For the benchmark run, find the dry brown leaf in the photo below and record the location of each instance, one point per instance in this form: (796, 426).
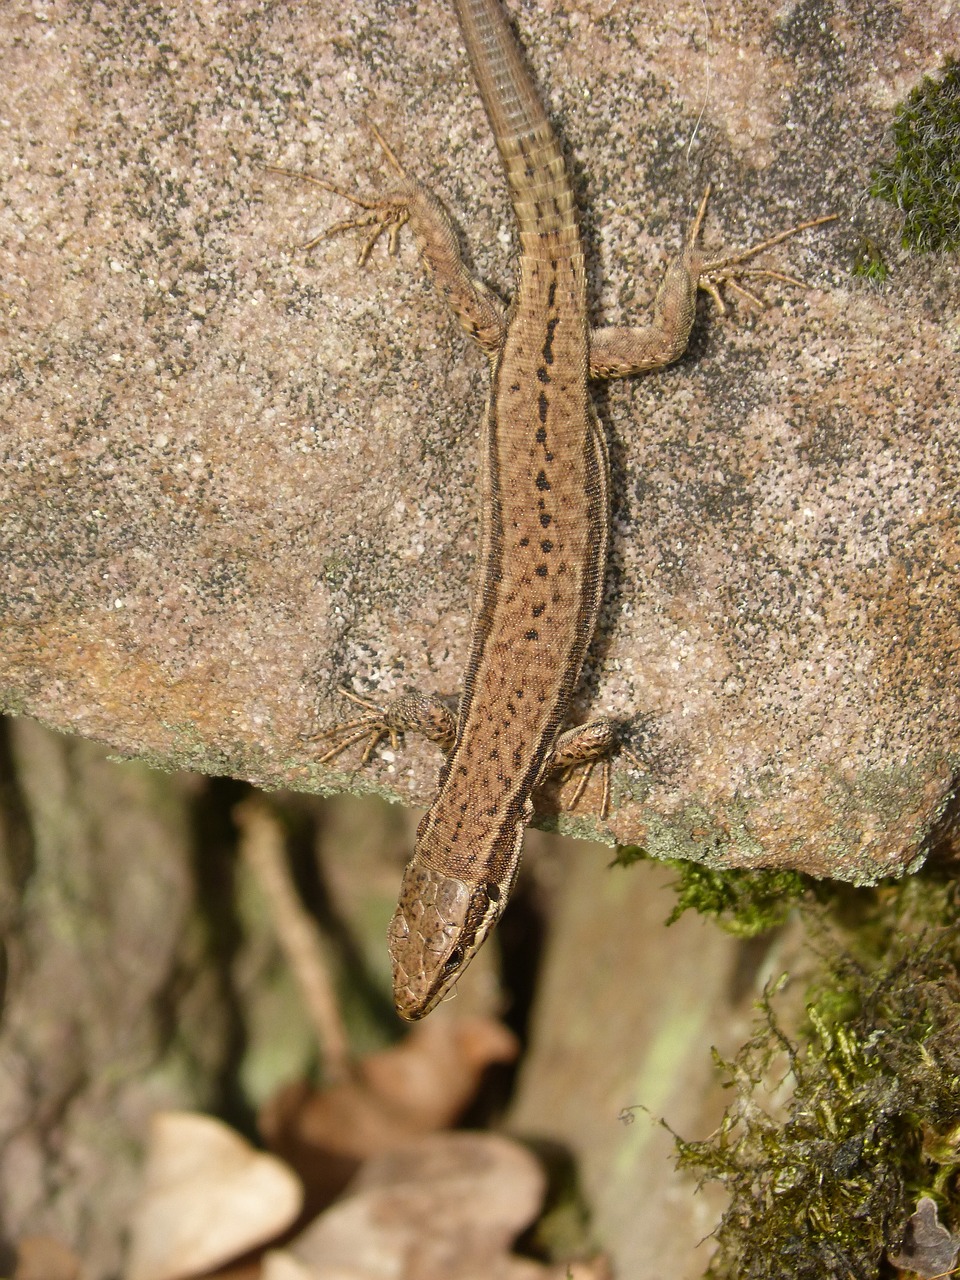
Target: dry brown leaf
(425, 1082)
(928, 1249)
(248, 1268)
(281, 1265)
(43, 1258)
(446, 1206)
(433, 1074)
(278, 1264)
(207, 1197)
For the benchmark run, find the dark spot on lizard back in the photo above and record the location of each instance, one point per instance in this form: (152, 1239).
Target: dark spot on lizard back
(548, 344)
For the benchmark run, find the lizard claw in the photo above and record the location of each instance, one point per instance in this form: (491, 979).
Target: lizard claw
(730, 270)
(373, 727)
(384, 214)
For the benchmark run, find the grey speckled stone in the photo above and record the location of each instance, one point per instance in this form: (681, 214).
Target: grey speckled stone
(234, 475)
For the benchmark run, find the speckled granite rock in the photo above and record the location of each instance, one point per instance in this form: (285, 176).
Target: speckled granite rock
(234, 476)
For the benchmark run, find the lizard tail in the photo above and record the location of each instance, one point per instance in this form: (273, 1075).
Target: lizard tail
(532, 160)
(505, 84)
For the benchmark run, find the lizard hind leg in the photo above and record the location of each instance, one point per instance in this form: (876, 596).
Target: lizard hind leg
(730, 269)
(620, 350)
(481, 314)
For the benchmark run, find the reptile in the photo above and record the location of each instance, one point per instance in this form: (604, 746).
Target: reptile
(544, 515)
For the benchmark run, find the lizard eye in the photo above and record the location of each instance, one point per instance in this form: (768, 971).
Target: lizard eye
(453, 961)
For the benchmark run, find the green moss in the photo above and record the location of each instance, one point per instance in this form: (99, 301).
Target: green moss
(335, 571)
(822, 1185)
(563, 1228)
(744, 903)
(923, 179)
(869, 263)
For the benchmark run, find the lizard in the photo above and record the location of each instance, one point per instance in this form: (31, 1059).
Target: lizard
(544, 514)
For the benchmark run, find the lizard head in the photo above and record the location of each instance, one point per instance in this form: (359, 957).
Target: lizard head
(439, 924)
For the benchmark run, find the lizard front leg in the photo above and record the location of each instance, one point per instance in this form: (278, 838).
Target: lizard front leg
(581, 747)
(426, 714)
(480, 312)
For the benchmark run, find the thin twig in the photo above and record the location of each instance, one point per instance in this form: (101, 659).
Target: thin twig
(262, 847)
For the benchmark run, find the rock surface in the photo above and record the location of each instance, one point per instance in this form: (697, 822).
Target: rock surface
(235, 476)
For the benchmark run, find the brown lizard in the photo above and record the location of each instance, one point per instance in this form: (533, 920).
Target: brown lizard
(544, 517)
